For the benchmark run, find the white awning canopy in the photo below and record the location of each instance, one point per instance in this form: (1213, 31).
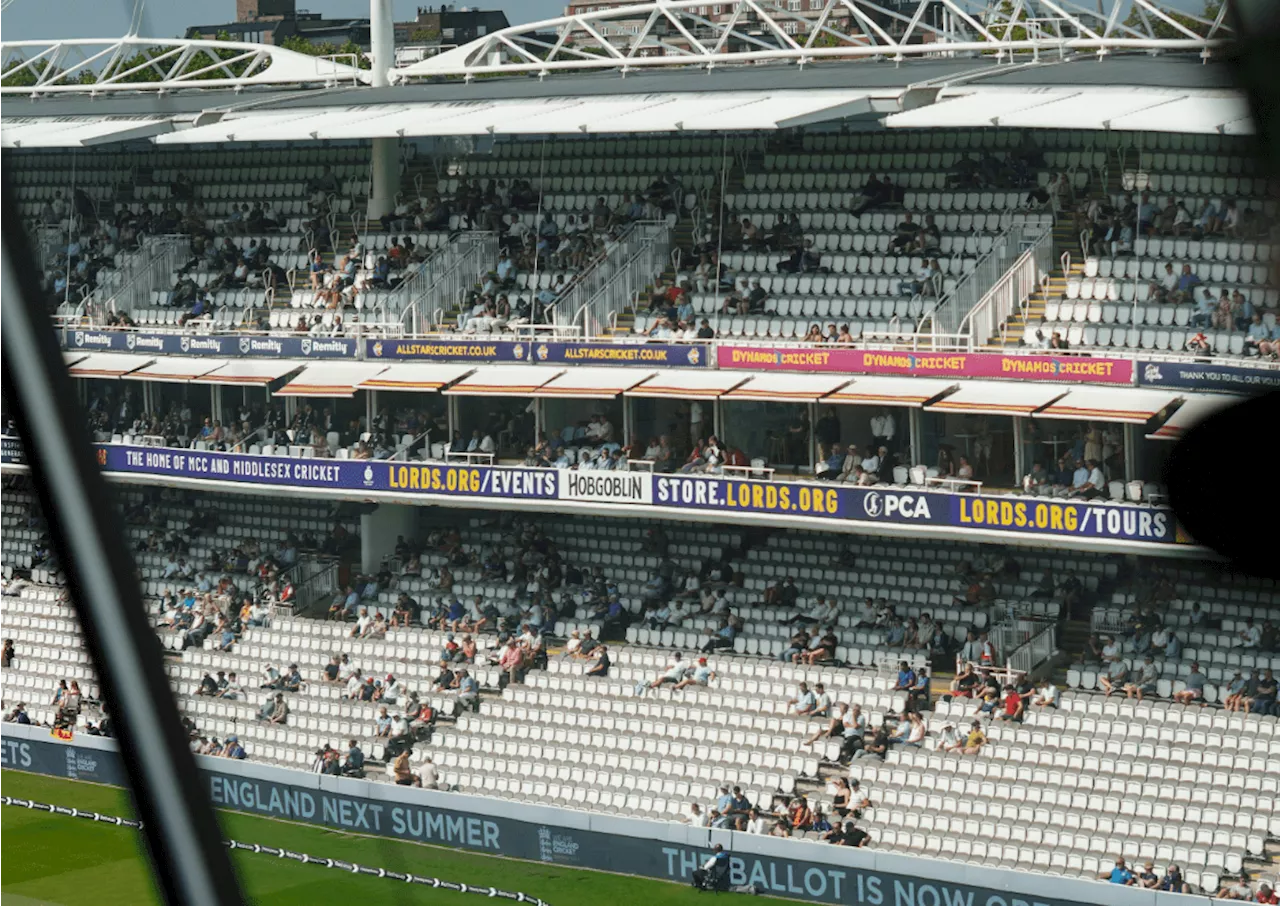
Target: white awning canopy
(689, 384)
(999, 398)
(503, 380)
(415, 376)
(175, 369)
(890, 391)
(248, 371)
(62, 132)
(702, 111)
(1110, 404)
(1193, 411)
(108, 365)
(593, 383)
(787, 388)
(1087, 107)
(330, 379)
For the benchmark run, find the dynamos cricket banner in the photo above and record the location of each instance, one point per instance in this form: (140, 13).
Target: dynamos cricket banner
(666, 851)
(816, 503)
(1073, 369)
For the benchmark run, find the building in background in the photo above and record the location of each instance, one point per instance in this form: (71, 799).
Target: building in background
(278, 21)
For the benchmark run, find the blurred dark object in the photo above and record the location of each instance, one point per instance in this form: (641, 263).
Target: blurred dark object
(188, 859)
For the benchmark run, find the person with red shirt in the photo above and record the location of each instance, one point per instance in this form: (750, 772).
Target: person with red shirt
(1013, 706)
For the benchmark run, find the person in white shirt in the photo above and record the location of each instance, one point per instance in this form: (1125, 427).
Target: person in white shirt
(1250, 635)
(822, 702)
(429, 774)
(233, 690)
(755, 823)
(950, 740)
(363, 622)
(1047, 695)
(696, 816)
(882, 429)
(695, 421)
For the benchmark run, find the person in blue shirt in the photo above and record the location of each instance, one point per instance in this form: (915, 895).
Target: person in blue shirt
(1119, 875)
(906, 677)
(834, 465)
(1187, 284)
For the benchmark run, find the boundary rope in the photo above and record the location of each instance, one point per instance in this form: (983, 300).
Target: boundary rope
(351, 867)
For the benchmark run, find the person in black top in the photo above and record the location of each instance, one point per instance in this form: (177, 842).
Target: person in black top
(601, 666)
(853, 836)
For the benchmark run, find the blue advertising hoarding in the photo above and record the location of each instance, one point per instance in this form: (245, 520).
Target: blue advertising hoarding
(447, 350)
(1210, 376)
(674, 355)
(246, 345)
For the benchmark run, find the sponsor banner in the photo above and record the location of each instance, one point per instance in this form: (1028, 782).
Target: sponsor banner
(1076, 369)
(814, 499)
(445, 350)
(359, 475)
(198, 345)
(12, 451)
(1065, 517)
(665, 851)
(668, 354)
(1208, 376)
(606, 487)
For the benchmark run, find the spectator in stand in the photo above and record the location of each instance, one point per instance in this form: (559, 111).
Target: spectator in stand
(1047, 696)
(966, 681)
(975, 740)
(1144, 683)
(1014, 707)
(804, 702)
(1194, 689)
(1173, 881)
(1264, 699)
(1186, 286)
(1120, 874)
(1114, 676)
(1235, 693)
(1235, 889)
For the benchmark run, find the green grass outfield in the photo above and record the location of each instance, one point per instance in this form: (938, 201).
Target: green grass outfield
(57, 859)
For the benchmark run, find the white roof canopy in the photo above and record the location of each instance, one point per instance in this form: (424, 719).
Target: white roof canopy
(108, 365)
(1195, 410)
(62, 132)
(415, 376)
(1110, 404)
(665, 112)
(999, 398)
(890, 391)
(593, 383)
(1090, 107)
(787, 388)
(503, 380)
(330, 379)
(689, 384)
(248, 371)
(176, 369)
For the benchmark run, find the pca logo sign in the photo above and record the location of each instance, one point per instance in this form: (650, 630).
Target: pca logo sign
(909, 507)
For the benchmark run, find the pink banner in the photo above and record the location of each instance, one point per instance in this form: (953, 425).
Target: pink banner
(1076, 369)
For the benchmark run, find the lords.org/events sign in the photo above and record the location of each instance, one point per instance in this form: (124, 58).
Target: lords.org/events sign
(798, 870)
(1073, 369)
(815, 502)
(197, 345)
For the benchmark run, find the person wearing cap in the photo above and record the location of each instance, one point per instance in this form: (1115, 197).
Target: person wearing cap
(1145, 682)
(674, 673)
(233, 748)
(292, 681)
(700, 675)
(1193, 690)
(392, 689)
(1238, 690)
(18, 715)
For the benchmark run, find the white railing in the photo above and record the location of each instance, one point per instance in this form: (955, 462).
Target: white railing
(948, 316)
(1010, 293)
(1028, 643)
(443, 279)
(594, 301)
(150, 269)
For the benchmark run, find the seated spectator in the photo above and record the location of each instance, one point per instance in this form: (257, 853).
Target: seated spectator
(602, 662)
(1144, 683)
(1237, 692)
(700, 675)
(1114, 676)
(910, 732)
(1235, 889)
(1014, 707)
(966, 681)
(974, 741)
(1194, 689)
(1173, 881)
(1264, 699)
(804, 702)
(1047, 696)
(1120, 874)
